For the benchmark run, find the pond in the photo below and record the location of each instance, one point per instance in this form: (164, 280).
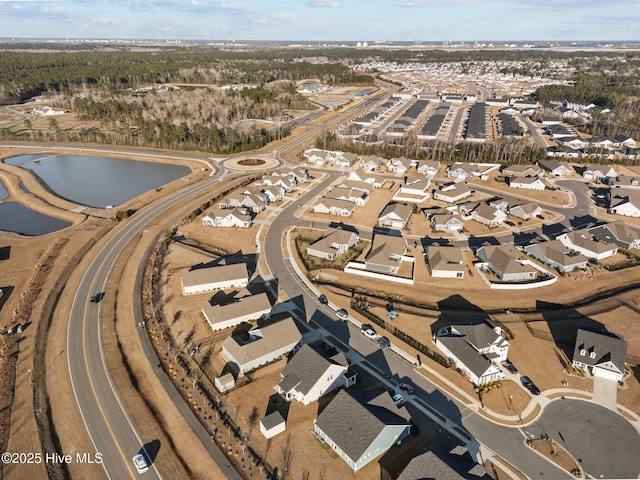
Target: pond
(98, 182)
(15, 217)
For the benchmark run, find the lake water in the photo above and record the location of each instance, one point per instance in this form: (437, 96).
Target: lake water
(3, 192)
(98, 181)
(15, 217)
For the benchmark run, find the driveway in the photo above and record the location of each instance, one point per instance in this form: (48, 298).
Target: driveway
(605, 392)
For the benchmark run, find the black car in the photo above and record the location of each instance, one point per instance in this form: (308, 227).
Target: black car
(510, 367)
(323, 299)
(405, 387)
(96, 298)
(384, 342)
(529, 385)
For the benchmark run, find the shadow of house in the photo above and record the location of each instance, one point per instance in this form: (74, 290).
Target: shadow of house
(5, 253)
(277, 403)
(525, 238)
(251, 260)
(6, 294)
(345, 227)
(477, 242)
(585, 221)
(562, 323)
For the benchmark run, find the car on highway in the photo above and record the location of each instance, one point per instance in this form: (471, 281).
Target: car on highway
(510, 367)
(398, 399)
(368, 331)
(342, 313)
(140, 463)
(529, 385)
(405, 387)
(97, 297)
(323, 299)
(384, 342)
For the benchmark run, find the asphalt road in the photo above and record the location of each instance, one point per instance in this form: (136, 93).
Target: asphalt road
(505, 441)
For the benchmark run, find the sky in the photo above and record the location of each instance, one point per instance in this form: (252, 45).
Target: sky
(324, 20)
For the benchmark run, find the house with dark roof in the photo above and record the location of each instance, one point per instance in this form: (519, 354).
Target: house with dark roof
(555, 167)
(600, 353)
(617, 232)
(360, 429)
(476, 349)
(309, 375)
(556, 254)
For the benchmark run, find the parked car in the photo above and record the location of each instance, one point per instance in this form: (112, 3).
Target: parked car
(342, 313)
(368, 331)
(398, 399)
(140, 463)
(323, 299)
(510, 367)
(384, 342)
(529, 385)
(540, 217)
(563, 189)
(405, 387)
(511, 224)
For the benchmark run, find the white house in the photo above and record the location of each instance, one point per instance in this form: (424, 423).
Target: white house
(251, 307)
(522, 170)
(528, 183)
(225, 382)
(309, 375)
(489, 216)
(272, 424)
(413, 189)
(262, 343)
(220, 277)
(462, 170)
(446, 222)
(555, 168)
(582, 242)
(504, 261)
(600, 172)
(600, 353)
(453, 192)
(445, 262)
(430, 168)
(331, 206)
(370, 163)
(525, 211)
(475, 349)
(349, 194)
(556, 254)
(225, 217)
(395, 215)
(625, 204)
(333, 243)
(400, 165)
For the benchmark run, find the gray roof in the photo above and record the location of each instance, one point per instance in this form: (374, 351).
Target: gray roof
(445, 258)
(465, 352)
(384, 247)
(272, 420)
(304, 370)
(607, 346)
(428, 466)
(620, 231)
(220, 273)
(557, 252)
(479, 335)
(353, 425)
(250, 305)
(504, 259)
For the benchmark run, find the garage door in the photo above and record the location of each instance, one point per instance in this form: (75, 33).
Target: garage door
(600, 372)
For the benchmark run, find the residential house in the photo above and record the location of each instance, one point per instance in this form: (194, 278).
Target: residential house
(453, 192)
(331, 206)
(601, 142)
(262, 343)
(318, 157)
(445, 262)
(344, 160)
(350, 195)
(360, 429)
(428, 466)
(395, 215)
(370, 163)
(400, 166)
(356, 185)
(617, 232)
(625, 182)
(600, 172)
(526, 211)
(430, 168)
(462, 170)
(528, 183)
(504, 261)
(446, 222)
(333, 243)
(625, 141)
(521, 171)
(555, 168)
(377, 181)
(499, 203)
(558, 255)
(234, 217)
(220, 277)
(309, 375)
(627, 203)
(251, 307)
(600, 353)
(299, 174)
(573, 142)
(253, 200)
(386, 254)
(274, 193)
(581, 242)
(489, 216)
(476, 349)
(413, 189)
(288, 183)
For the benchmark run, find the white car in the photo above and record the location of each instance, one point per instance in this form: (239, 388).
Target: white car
(398, 399)
(369, 332)
(141, 463)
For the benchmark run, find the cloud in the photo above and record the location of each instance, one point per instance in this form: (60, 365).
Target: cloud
(321, 3)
